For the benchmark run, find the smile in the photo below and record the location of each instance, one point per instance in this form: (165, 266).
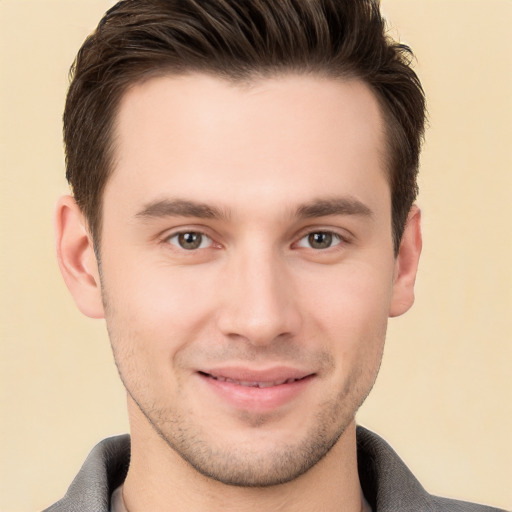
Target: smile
(254, 384)
(256, 391)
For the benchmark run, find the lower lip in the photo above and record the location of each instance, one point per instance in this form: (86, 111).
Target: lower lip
(254, 398)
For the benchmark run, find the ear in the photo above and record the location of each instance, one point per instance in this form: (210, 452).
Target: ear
(76, 257)
(406, 264)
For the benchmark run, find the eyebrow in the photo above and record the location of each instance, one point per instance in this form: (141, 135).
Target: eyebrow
(333, 206)
(186, 208)
(180, 208)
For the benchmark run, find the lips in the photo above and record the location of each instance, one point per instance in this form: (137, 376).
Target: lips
(252, 383)
(256, 390)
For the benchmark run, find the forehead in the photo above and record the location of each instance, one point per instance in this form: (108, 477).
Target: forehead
(202, 136)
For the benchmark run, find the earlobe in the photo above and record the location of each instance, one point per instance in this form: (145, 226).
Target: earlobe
(76, 257)
(406, 265)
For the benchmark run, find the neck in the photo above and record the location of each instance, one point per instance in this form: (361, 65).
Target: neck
(159, 479)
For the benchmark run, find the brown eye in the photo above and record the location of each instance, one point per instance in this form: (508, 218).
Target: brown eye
(190, 240)
(320, 240)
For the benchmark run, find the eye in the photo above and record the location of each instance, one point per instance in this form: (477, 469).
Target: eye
(320, 240)
(190, 240)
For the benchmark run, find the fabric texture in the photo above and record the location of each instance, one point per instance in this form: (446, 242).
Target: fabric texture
(387, 483)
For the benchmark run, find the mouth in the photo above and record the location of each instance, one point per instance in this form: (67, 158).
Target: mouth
(256, 391)
(252, 383)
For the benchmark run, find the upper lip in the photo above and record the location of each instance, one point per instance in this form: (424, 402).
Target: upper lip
(274, 375)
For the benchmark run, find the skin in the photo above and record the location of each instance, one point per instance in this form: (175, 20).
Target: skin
(282, 185)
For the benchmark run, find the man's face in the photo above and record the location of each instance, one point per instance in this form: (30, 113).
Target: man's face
(247, 267)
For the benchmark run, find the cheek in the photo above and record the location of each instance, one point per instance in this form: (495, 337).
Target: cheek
(355, 295)
(156, 310)
(350, 312)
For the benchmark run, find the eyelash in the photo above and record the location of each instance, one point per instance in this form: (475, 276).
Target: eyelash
(179, 234)
(333, 239)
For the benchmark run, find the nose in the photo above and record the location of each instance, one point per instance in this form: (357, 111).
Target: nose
(258, 299)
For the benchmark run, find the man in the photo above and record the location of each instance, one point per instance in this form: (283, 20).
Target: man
(244, 177)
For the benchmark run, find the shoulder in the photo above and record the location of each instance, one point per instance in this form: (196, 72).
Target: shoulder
(103, 471)
(389, 485)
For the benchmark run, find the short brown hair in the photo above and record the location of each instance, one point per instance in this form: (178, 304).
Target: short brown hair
(238, 40)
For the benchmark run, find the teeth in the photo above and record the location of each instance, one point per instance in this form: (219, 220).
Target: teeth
(250, 384)
(267, 384)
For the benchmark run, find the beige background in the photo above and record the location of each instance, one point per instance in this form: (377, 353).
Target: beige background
(443, 399)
